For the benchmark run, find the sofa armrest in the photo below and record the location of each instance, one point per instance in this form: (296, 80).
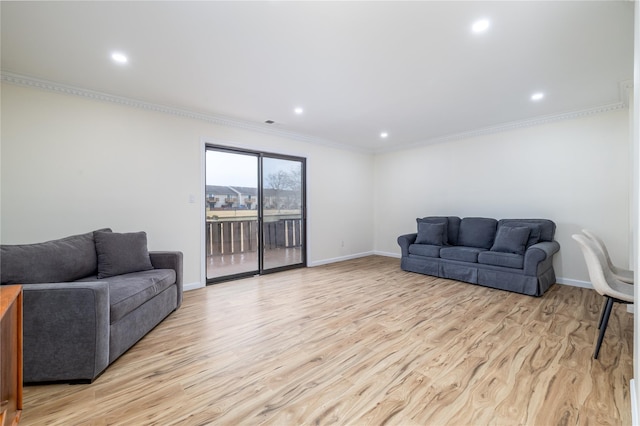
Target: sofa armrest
(65, 331)
(405, 241)
(169, 260)
(537, 254)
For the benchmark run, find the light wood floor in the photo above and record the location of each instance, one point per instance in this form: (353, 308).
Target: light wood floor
(361, 342)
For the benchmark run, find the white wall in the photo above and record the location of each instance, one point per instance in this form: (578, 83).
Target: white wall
(574, 172)
(71, 165)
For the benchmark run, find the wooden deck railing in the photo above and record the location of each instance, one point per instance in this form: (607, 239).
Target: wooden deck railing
(241, 236)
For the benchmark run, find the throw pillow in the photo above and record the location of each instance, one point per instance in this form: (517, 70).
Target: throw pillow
(430, 233)
(511, 239)
(121, 253)
(534, 228)
(437, 219)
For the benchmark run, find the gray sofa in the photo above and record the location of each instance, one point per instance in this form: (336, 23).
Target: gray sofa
(510, 254)
(87, 299)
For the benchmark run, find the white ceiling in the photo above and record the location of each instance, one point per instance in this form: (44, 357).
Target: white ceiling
(413, 69)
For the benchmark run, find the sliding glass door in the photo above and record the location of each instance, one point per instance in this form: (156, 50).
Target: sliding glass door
(282, 206)
(254, 212)
(231, 211)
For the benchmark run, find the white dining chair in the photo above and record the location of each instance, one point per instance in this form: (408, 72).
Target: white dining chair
(621, 274)
(604, 283)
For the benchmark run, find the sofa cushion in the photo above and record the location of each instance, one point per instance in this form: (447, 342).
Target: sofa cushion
(121, 253)
(431, 233)
(477, 232)
(435, 220)
(453, 227)
(63, 260)
(511, 239)
(464, 254)
(127, 292)
(425, 250)
(496, 258)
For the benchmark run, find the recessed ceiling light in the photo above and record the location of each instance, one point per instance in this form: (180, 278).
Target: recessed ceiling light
(119, 57)
(298, 110)
(480, 26)
(384, 135)
(537, 96)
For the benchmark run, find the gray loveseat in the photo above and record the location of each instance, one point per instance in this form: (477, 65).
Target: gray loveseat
(510, 254)
(87, 299)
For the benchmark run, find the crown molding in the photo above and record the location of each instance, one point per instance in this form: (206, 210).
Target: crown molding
(514, 125)
(51, 86)
(625, 87)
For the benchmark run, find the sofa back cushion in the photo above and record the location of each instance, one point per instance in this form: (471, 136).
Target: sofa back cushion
(63, 260)
(452, 227)
(541, 229)
(477, 232)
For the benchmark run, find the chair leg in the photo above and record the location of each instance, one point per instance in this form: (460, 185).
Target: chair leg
(604, 308)
(603, 326)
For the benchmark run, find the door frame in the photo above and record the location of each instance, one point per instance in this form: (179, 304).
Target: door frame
(208, 144)
(303, 211)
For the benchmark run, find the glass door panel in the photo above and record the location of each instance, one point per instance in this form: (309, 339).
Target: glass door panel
(283, 212)
(231, 214)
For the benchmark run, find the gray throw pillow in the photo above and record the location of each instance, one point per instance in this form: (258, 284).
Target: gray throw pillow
(511, 239)
(121, 253)
(436, 219)
(431, 233)
(534, 228)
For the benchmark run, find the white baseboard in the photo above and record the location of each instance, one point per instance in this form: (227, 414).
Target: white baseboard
(574, 283)
(339, 259)
(192, 286)
(387, 254)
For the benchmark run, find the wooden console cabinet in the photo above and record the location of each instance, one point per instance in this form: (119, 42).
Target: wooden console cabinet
(10, 354)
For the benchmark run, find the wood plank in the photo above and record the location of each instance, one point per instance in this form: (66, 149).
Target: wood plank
(361, 342)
